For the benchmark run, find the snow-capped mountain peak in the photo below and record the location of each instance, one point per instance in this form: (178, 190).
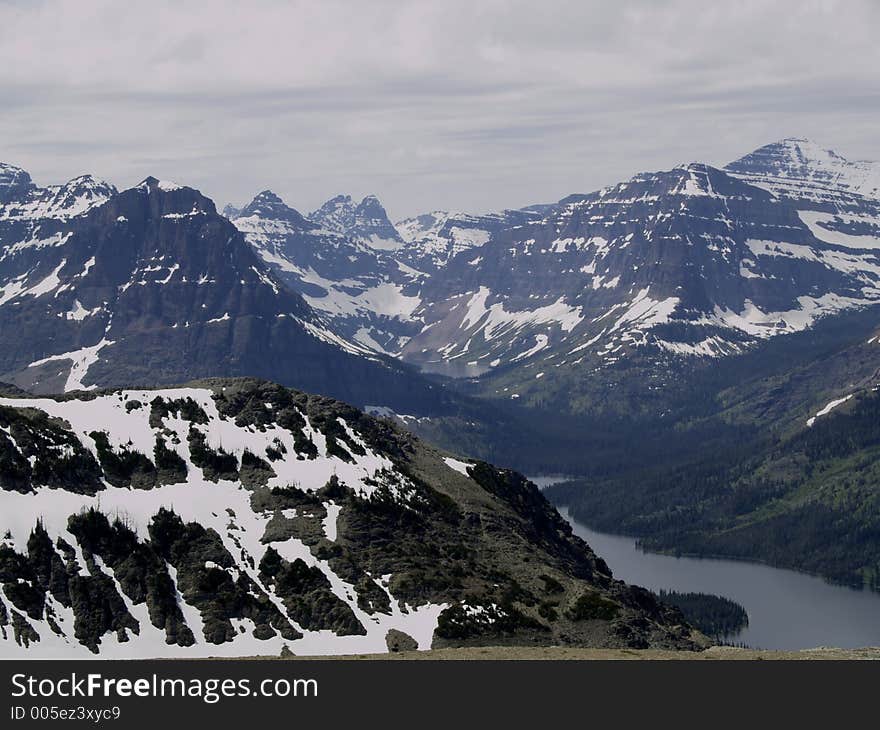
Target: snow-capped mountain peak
(340, 271)
(80, 195)
(153, 284)
(801, 162)
(168, 200)
(837, 199)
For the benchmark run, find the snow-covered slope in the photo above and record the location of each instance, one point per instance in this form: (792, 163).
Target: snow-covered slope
(33, 217)
(354, 266)
(803, 170)
(21, 200)
(236, 518)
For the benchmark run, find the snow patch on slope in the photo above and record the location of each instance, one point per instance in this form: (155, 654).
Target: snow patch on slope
(828, 408)
(81, 361)
(460, 466)
(495, 319)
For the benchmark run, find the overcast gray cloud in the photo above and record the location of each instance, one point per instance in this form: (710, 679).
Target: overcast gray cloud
(438, 104)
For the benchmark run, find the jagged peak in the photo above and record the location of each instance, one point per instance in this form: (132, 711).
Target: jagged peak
(79, 195)
(269, 205)
(7, 168)
(346, 202)
(70, 199)
(371, 204)
(367, 220)
(89, 185)
(267, 196)
(231, 211)
(797, 151)
(10, 173)
(334, 204)
(335, 214)
(88, 180)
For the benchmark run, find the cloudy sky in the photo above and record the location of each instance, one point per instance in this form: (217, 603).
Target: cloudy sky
(473, 105)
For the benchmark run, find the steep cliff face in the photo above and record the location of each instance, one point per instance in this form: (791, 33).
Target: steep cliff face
(236, 517)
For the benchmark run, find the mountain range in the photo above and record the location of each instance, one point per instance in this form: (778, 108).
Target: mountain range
(151, 285)
(601, 306)
(693, 262)
(721, 319)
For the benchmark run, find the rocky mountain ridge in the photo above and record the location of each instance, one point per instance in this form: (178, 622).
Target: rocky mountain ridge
(237, 517)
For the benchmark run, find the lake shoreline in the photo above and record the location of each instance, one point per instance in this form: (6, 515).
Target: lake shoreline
(562, 508)
(788, 610)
